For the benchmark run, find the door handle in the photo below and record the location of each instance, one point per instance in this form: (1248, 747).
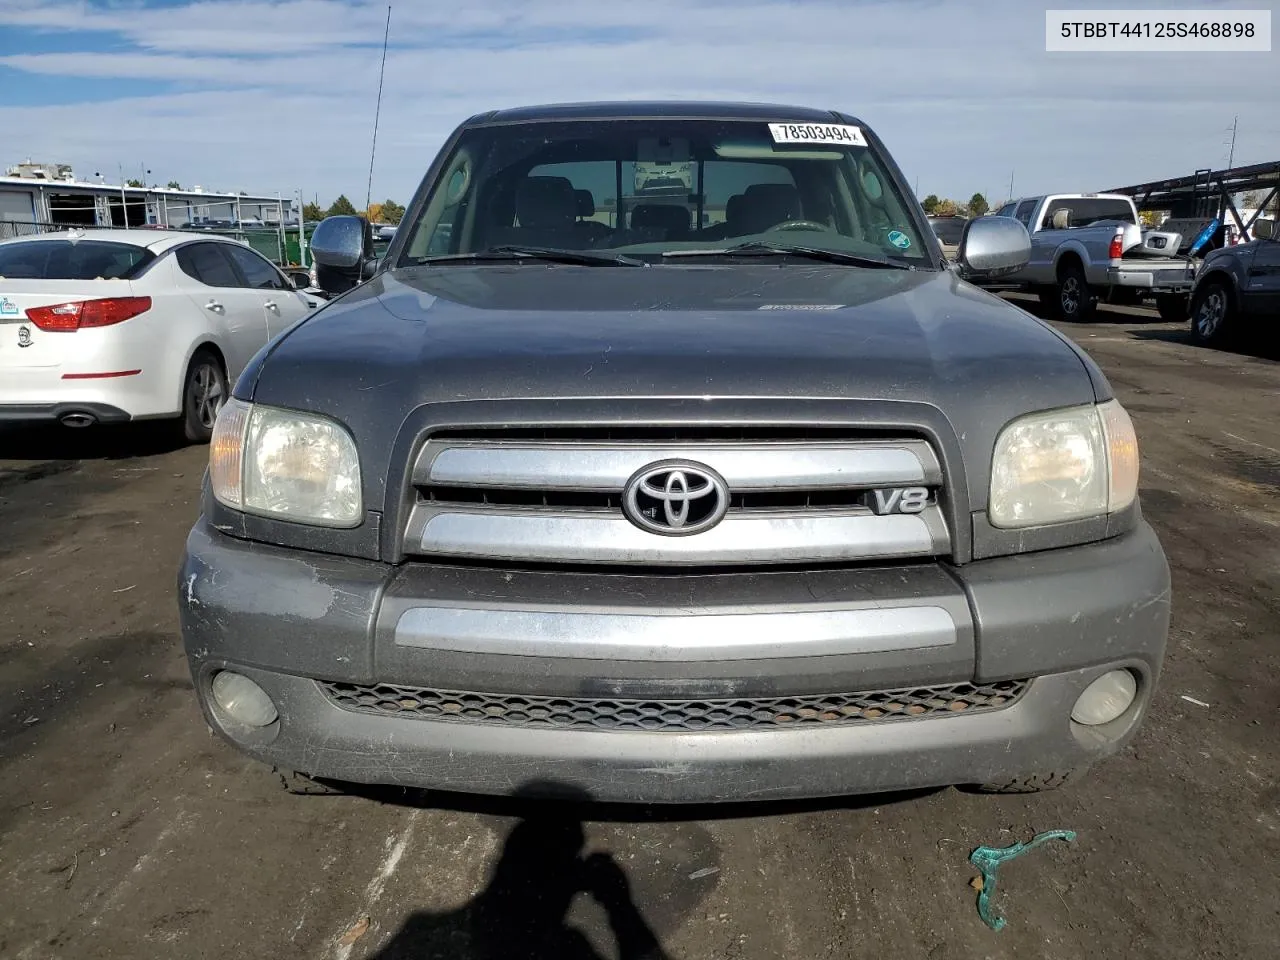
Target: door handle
(271, 305)
(213, 305)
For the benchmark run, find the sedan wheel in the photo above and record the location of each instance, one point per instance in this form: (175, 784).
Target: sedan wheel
(203, 397)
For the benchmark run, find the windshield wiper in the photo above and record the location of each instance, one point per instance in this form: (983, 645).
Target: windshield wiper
(554, 254)
(766, 248)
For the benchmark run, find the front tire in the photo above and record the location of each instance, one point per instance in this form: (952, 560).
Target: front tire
(204, 392)
(1075, 302)
(1212, 319)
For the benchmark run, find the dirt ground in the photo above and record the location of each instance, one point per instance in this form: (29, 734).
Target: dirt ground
(126, 830)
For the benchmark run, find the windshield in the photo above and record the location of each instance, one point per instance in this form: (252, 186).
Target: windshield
(71, 260)
(649, 187)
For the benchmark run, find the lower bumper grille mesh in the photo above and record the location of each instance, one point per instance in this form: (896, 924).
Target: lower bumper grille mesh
(680, 716)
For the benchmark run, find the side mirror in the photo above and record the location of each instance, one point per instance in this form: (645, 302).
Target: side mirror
(1264, 229)
(993, 247)
(343, 250)
(299, 278)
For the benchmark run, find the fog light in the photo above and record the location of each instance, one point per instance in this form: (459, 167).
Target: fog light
(1106, 698)
(243, 700)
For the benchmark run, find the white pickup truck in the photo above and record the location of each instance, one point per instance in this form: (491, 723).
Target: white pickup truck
(1087, 247)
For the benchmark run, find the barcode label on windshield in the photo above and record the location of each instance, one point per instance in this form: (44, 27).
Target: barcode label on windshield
(817, 133)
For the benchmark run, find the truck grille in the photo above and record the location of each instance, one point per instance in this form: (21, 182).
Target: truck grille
(562, 497)
(677, 716)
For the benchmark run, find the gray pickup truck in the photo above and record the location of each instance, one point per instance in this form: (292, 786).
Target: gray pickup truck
(660, 506)
(1087, 247)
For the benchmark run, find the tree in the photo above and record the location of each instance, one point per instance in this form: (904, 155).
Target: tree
(392, 212)
(1251, 200)
(945, 208)
(174, 185)
(978, 205)
(930, 203)
(342, 207)
(312, 212)
(134, 183)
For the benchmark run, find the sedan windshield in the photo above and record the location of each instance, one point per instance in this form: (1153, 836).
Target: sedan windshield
(648, 188)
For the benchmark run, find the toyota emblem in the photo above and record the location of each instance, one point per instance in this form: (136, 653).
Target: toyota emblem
(675, 498)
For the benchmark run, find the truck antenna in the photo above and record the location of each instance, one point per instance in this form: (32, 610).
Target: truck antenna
(368, 196)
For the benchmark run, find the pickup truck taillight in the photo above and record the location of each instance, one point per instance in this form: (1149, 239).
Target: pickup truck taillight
(1116, 251)
(70, 317)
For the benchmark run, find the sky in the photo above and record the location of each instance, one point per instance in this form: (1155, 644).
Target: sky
(273, 97)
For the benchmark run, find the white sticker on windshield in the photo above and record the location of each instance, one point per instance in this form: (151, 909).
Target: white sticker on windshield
(836, 133)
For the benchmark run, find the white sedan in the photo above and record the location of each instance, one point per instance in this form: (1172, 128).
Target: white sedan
(100, 326)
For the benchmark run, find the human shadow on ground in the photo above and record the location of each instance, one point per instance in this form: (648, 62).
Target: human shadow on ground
(523, 912)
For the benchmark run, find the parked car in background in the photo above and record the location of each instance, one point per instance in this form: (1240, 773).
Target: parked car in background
(1237, 290)
(1089, 246)
(778, 506)
(102, 326)
(948, 230)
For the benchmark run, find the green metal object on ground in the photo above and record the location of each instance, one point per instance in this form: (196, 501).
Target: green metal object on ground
(988, 860)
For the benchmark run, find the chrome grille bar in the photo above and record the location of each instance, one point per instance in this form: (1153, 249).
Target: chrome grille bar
(607, 466)
(590, 536)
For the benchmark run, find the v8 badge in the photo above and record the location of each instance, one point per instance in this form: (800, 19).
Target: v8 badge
(899, 500)
(24, 336)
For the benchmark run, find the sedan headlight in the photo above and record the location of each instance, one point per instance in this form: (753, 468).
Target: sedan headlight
(286, 464)
(1064, 465)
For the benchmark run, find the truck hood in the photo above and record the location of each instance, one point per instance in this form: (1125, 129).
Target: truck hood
(530, 330)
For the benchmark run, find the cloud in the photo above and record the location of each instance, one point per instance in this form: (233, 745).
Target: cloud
(264, 96)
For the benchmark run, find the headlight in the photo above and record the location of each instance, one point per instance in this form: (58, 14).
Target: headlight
(281, 463)
(1064, 465)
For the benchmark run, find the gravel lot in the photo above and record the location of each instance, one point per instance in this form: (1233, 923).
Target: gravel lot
(126, 830)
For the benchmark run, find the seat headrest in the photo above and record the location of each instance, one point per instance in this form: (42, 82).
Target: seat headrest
(586, 203)
(767, 204)
(663, 216)
(1061, 218)
(546, 202)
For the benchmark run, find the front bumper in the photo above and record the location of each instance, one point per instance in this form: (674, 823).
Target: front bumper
(288, 619)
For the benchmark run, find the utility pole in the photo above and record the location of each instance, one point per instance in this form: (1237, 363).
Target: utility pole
(1010, 184)
(124, 204)
(1231, 157)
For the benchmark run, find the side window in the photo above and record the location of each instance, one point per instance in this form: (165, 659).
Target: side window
(1026, 209)
(257, 272)
(1006, 210)
(205, 263)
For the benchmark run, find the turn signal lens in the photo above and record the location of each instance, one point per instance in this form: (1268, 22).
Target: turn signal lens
(70, 317)
(226, 452)
(1122, 455)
